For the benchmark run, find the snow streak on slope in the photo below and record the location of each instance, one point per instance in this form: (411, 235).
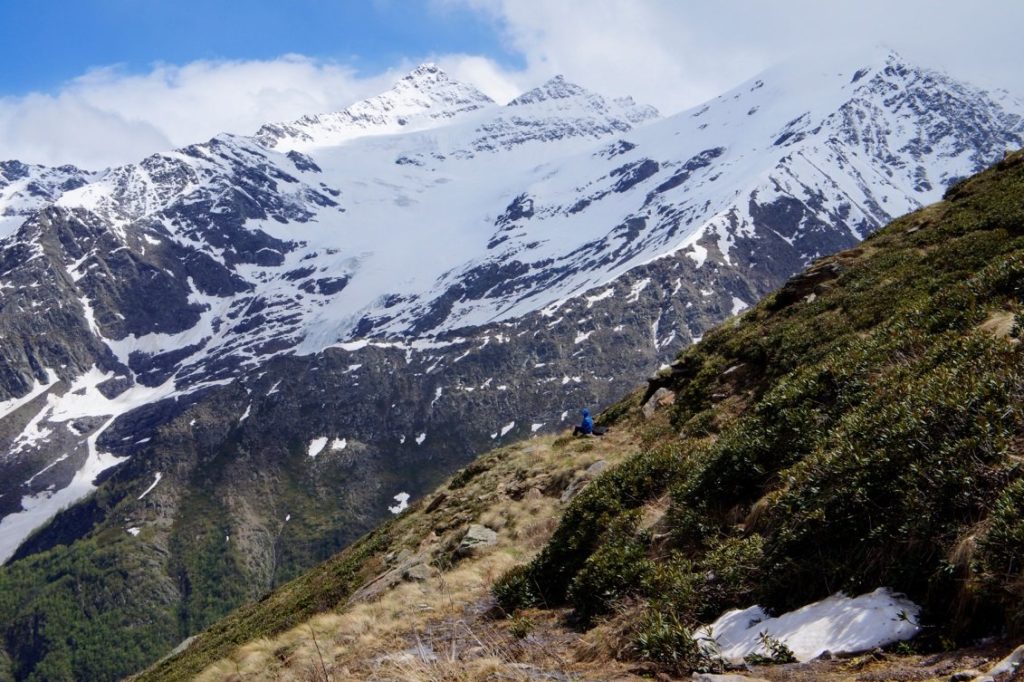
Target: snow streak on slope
(83, 400)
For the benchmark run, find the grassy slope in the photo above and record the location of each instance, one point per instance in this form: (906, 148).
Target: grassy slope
(861, 427)
(503, 489)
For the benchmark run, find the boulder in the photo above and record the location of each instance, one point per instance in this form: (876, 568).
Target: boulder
(659, 398)
(582, 479)
(476, 538)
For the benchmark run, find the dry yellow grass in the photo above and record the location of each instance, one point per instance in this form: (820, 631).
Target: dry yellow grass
(436, 629)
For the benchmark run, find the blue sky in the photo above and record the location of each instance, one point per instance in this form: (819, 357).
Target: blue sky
(44, 43)
(103, 82)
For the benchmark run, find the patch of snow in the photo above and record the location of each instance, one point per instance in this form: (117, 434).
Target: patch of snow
(152, 485)
(507, 427)
(339, 444)
(699, 255)
(607, 293)
(840, 624)
(287, 518)
(637, 289)
(273, 389)
(403, 502)
(48, 466)
(133, 531)
(245, 415)
(437, 395)
(316, 446)
(420, 438)
(534, 428)
(582, 336)
(738, 305)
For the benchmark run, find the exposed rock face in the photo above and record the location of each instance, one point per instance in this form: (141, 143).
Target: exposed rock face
(247, 347)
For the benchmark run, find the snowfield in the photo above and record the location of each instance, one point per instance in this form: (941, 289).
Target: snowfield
(839, 624)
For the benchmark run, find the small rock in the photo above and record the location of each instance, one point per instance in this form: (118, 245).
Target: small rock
(582, 479)
(662, 396)
(417, 573)
(964, 675)
(436, 502)
(476, 538)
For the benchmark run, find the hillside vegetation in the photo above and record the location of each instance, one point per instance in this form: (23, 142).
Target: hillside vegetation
(861, 427)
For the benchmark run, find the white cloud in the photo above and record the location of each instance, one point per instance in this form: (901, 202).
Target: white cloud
(107, 117)
(498, 83)
(678, 54)
(663, 52)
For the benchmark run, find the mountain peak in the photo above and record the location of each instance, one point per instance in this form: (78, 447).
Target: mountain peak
(555, 88)
(426, 68)
(431, 86)
(425, 97)
(427, 74)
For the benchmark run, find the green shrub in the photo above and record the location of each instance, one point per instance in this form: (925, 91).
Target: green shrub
(619, 567)
(521, 626)
(1000, 556)
(731, 573)
(585, 522)
(662, 637)
(776, 652)
(516, 590)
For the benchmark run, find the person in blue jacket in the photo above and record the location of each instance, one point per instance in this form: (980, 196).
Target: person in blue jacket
(587, 428)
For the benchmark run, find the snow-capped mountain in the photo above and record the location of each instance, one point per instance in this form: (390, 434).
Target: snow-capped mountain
(425, 98)
(25, 188)
(413, 278)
